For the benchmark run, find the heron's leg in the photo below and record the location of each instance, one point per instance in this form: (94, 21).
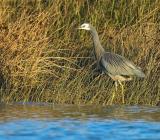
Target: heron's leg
(113, 94)
(122, 91)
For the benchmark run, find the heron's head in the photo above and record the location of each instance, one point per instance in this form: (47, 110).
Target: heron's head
(85, 26)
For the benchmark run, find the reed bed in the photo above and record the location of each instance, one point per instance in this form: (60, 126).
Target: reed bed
(44, 58)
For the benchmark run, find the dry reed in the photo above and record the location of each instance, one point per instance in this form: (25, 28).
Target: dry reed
(45, 59)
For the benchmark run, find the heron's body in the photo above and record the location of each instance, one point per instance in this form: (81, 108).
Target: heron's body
(117, 67)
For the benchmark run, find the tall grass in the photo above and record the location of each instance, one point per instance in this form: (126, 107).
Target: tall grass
(44, 58)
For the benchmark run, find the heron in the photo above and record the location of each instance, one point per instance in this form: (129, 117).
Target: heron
(116, 66)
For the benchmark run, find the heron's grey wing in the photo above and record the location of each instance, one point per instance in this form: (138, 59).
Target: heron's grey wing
(118, 65)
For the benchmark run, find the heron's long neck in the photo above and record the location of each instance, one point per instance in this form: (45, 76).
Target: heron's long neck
(99, 50)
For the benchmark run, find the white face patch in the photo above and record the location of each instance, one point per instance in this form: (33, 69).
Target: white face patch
(85, 26)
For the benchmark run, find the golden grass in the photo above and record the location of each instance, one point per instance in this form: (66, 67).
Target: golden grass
(44, 58)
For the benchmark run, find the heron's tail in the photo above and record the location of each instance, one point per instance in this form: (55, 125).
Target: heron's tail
(138, 72)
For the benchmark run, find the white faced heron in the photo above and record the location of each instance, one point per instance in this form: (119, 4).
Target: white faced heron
(116, 66)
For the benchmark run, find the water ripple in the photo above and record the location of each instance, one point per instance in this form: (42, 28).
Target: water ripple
(41, 122)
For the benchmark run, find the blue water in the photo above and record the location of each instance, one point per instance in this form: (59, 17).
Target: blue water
(45, 122)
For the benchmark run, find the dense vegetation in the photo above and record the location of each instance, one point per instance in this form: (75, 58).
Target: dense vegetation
(44, 58)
